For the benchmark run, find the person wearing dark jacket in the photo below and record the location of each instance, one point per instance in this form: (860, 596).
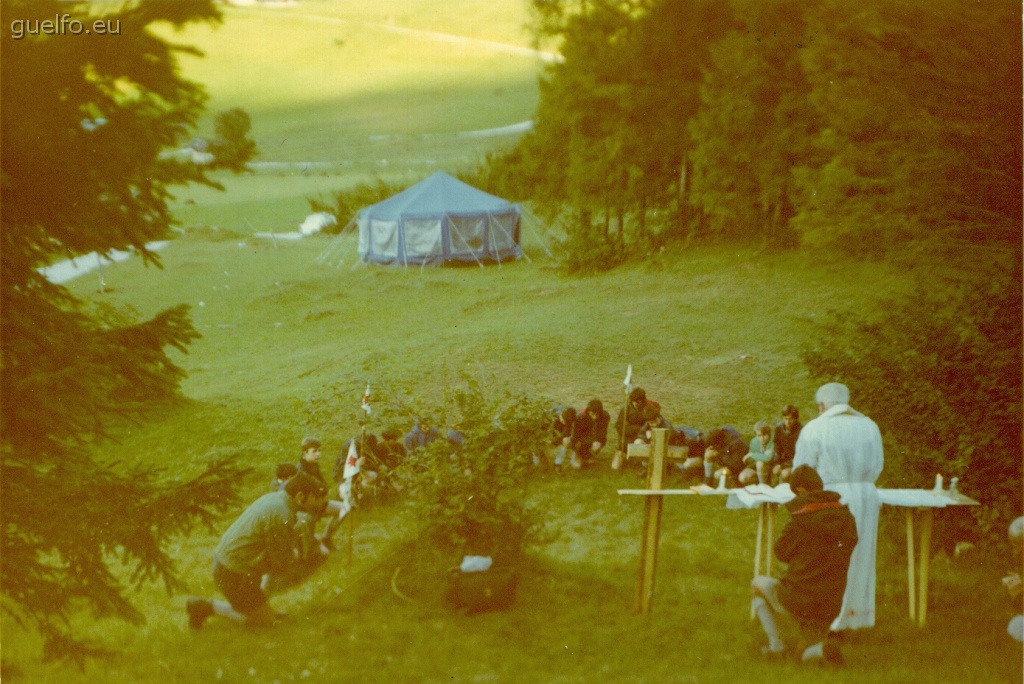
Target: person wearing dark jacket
(816, 543)
(635, 421)
(309, 463)
(589, 433)
(724, 449)
(787, 431)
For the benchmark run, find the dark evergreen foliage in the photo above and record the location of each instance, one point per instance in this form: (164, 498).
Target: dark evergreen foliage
(232, 147)
(868, 128)
(82, 131)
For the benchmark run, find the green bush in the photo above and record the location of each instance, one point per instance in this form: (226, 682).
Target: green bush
(473, 495)
(345, 204)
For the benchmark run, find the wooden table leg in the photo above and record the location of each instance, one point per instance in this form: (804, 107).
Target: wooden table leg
(757, 549)
(926, 543)
(760, 540)
(911, 591)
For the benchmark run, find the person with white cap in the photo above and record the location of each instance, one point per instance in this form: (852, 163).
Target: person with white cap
(845, 447)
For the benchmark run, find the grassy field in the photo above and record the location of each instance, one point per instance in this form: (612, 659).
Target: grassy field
(288, 345)
(372, 88)
(715, 335)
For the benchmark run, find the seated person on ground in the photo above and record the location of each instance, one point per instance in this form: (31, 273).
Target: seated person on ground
(787, 431)
(561, 433)
(723, 455)
(816, 544)
(589, 433)
(422, 434)
(392, 452)
(374, 477)
(760, 460)
(455, 436)
(634, 423)
(693, 440)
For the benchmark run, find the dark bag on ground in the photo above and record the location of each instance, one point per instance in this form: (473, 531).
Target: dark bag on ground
(478, 592)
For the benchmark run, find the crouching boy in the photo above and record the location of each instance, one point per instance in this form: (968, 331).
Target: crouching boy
(816, 543)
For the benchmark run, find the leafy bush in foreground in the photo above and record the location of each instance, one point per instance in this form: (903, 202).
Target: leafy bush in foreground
(474, 493)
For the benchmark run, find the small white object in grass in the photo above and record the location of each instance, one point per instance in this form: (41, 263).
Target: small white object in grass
(475, 563)
(202, 303)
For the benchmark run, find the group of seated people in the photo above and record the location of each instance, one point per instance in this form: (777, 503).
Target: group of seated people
(767, 458)
(579, 434)
(378, 461)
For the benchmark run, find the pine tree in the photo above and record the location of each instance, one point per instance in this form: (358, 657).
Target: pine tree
(85, 119)
(232, 147)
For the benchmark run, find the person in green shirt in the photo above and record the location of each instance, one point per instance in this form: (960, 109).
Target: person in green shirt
(760, 460)
(260, 542)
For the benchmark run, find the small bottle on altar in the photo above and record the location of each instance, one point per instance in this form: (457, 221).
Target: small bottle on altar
(721, 481)
(938, 483)
(952, 486)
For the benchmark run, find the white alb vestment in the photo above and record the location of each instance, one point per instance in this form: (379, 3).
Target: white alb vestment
(845, 447)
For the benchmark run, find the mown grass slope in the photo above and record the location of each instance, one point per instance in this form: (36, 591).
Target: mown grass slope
(714, 334)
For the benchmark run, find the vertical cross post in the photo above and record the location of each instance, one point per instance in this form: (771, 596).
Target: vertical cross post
(651, 530)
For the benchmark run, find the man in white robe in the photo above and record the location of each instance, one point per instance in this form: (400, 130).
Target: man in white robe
(845, 447)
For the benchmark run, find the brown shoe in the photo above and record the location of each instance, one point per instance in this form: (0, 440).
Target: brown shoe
(198, 610)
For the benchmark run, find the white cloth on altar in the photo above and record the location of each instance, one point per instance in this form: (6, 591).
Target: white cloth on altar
(845, 447)
(914, 498)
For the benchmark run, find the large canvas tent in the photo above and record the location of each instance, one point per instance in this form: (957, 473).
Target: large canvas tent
(439, 220)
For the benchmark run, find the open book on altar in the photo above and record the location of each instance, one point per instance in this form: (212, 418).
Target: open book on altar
(780, 494)
(752, 496)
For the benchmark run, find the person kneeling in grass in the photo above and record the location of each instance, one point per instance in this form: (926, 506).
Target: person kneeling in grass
(262, 541)
(816, 543)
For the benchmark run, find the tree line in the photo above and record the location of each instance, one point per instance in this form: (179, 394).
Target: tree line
(866, 128)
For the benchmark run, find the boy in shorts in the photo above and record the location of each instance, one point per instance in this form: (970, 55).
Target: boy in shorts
(816, 543)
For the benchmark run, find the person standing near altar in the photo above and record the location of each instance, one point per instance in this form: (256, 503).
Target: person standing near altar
(845, 447)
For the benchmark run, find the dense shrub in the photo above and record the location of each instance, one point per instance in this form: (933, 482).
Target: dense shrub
(473, 494)
(344, 204)
(940, 371)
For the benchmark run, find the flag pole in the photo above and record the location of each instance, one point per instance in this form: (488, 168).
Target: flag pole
(351, 523)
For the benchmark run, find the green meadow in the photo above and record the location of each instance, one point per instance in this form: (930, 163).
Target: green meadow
(289, 341)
